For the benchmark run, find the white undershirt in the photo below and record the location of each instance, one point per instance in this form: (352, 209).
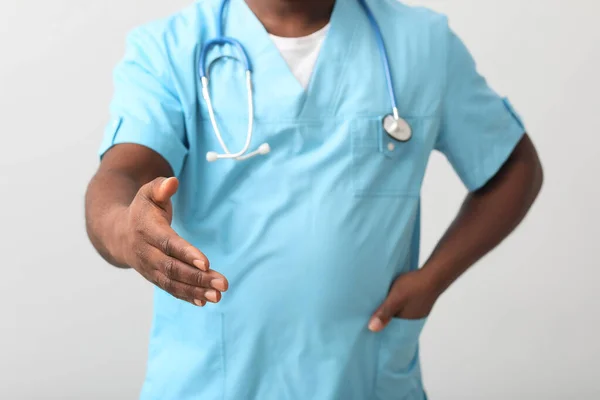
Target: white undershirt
(300, 53)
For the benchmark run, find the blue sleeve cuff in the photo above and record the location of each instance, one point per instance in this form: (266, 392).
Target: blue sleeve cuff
(500, 153)
(129, 130)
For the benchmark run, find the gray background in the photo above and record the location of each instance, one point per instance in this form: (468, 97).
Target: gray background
(524, 324)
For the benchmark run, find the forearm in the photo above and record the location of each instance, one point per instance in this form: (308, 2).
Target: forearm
(487, 216)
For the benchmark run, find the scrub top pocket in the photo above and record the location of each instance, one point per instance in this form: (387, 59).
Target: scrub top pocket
(399, 371)
(383, 166)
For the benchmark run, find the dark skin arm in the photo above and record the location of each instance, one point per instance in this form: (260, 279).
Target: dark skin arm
(128, 216)
(485, 219)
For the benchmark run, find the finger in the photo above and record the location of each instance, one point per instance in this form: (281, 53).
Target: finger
(164, 238)
(160, 190)
(189, 293)
(386, 311)
(179, 271)
(163, 191)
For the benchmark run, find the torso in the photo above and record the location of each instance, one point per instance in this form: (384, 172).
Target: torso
(311, 236)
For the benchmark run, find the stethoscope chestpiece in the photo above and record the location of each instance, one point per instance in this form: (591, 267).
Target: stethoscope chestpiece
(397, 128)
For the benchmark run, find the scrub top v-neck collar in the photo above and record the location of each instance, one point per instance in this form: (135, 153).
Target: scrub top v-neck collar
(271, 74)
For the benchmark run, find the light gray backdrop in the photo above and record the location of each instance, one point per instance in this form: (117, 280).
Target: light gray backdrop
(523, 325)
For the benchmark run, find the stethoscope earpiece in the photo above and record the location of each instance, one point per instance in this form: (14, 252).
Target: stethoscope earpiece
(212, 156)
(262, 150)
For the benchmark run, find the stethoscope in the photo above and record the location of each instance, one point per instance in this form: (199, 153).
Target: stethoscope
(395, 126)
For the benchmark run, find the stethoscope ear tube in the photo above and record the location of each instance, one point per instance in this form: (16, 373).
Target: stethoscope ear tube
(243, 153)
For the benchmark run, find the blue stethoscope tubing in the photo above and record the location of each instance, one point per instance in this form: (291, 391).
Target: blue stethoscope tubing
(394, 126)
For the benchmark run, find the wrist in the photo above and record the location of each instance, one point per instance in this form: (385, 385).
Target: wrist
(435, 279)
(117, 238)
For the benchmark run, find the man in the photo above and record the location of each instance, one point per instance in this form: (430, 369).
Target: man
(308, 255)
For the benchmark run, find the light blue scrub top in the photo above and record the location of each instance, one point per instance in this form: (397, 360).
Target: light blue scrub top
(312, 235)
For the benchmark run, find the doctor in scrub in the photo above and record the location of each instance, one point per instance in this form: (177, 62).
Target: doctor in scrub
(262, 169)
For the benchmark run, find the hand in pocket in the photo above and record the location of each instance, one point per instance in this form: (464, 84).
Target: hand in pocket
(411, 296)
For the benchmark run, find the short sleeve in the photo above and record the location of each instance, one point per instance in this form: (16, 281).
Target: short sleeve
(145, 109)
(479, 129)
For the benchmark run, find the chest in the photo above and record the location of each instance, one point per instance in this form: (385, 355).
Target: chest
(326, 137)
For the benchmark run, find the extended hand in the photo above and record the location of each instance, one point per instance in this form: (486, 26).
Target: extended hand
(412, 296)
(153, 249)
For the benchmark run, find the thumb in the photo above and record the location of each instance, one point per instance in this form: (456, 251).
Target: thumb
(161, 190)
(386, 311)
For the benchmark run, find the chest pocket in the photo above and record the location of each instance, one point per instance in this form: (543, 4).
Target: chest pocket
(383, 166)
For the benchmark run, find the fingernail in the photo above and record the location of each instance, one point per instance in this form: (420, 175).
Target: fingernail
(201, 265)
(218, 284)
(375, 325)
(212, 295)
(200, 303)
(164, 183)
